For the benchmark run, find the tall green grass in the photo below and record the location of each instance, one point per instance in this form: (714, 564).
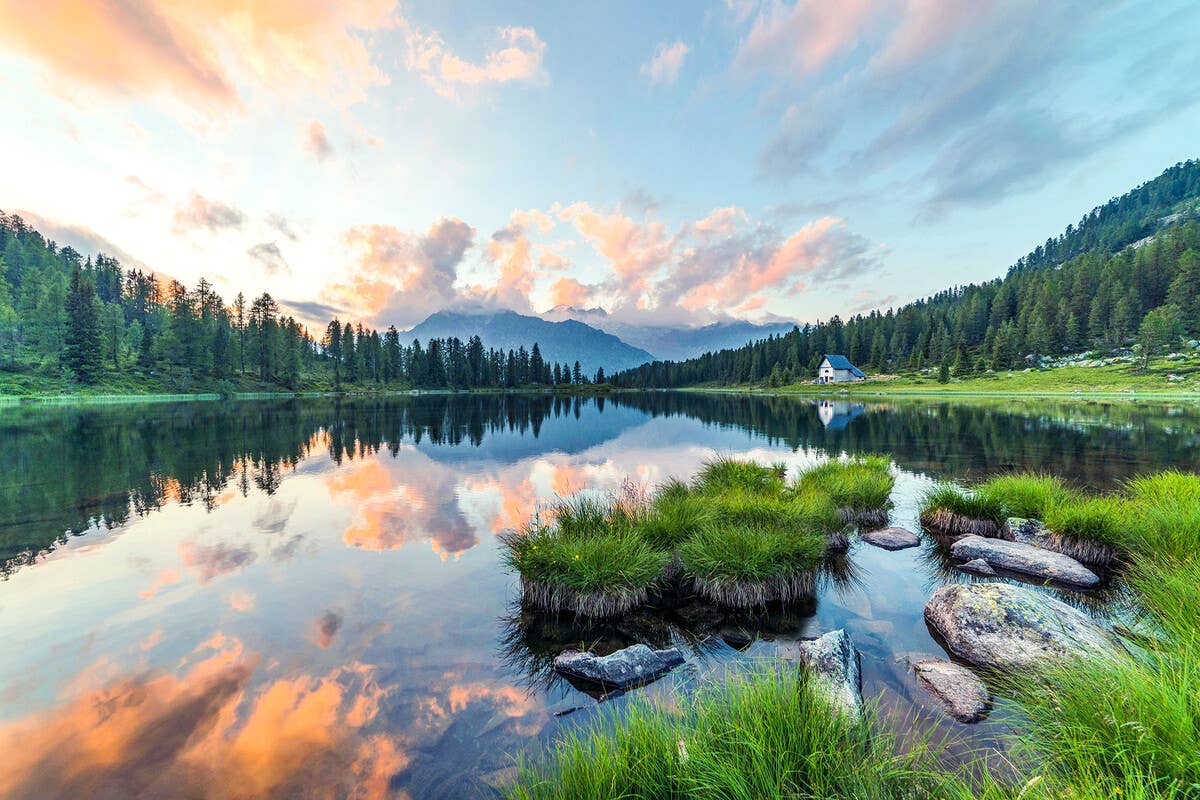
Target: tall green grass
(743, 566)
(1027, 495)
(764, 733)
(724, 474)
(946, 508)
(1100, 519)
(859, 484)
(674, 518)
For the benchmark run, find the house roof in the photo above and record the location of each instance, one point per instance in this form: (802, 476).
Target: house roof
(841, 362)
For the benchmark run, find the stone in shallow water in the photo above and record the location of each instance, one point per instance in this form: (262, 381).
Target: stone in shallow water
(977, 566)
(1004, 627)
(631, 666)
(891, 538)
(1026, 531)
(832, 661)
(965, 697)
(1026, 559)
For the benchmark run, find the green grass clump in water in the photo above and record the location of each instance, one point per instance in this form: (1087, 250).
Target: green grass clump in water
(1098, 520)
(759, 734)
(1027, 495)
(744, 566)
(673, 518)
(723, 474)
(952, 510)
(860, 484)
(588, 560)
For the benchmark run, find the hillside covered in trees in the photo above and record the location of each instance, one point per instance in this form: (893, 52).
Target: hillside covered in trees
(68, 321)
(1128, 270)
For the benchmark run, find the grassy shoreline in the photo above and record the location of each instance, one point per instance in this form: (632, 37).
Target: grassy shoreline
(1122, 725)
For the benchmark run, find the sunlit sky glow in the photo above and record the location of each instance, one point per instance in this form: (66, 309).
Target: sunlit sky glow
(669, 162)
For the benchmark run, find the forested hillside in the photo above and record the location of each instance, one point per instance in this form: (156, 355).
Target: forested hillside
(68, 321)
(1129, 270)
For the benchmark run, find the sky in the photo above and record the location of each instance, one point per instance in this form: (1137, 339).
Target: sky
(672, 162)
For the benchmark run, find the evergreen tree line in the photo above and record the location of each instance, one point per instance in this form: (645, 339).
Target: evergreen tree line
(1146, 290)
(87, 317)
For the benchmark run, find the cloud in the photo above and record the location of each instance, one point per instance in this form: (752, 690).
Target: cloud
(206, 55)
(663, 67)
(212, 215)
(281, 224)
(570, 292)
(400, 277)
(326, 628)
(268, 255)
(313, 311)
(315, 142)
(518, 58)
(953, 101)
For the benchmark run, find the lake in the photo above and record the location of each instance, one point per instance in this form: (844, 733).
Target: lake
(304, 598)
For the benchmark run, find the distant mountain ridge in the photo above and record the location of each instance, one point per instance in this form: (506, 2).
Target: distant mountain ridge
(673, 342)
(566, 341)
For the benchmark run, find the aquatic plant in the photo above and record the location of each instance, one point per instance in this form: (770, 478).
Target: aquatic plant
(1028, 494)
(1090, 529)
(954, 511)
(724, 474)
(673, 518)
(587, 560)
(859, 487)
(744, 565)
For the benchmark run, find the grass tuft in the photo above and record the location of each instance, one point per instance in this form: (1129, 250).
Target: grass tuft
(860, 484)
(743, 566)
(953, 511)
(1027, 495)
(724, 474)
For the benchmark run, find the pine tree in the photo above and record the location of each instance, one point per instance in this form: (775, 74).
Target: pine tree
(82, 348)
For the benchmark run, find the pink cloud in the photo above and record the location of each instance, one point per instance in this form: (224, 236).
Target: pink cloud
(663, 67)
(315, 141)
(570, 292)
(518, 58)
(802, 39)
(203, 54)
(401, 276)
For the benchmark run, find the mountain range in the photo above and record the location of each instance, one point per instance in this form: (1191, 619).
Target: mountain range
(591, 336)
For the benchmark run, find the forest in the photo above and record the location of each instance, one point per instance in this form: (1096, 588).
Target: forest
(88, 320)
(1128, 272)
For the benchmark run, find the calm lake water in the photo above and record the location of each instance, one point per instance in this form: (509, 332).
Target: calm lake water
(305, 598)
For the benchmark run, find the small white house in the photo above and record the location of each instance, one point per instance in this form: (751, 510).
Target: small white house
(838, 369)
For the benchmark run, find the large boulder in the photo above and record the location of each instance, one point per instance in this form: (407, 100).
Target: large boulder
(832, 663)
(891, 538)
(964, 696)
(631, 666)
(1003, 627)
(1027, 559)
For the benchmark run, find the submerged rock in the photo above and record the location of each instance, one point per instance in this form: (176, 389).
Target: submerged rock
(961, 691)
(832, 662)
(977, 566)
(1026, 559)
(631, 666)
(1004, 627)
(891, 538)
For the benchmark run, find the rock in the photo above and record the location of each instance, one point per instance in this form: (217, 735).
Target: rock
(1004, 627)
(832, 661)
(891, 538)
(1026, 531)
(1027, 559)
(977, 566)
(958, 689)
(631, 666)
